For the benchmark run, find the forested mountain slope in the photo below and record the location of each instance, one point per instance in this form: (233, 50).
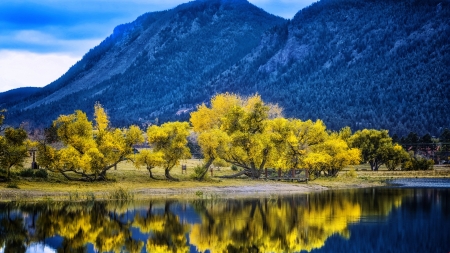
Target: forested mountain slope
(361, 63)
(16, 95)
(365, 64)
(147, 68)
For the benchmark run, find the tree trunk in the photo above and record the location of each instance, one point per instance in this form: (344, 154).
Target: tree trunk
(168, 176)
(244, 172)
(151, 173)
(8, 171)
(205, 167)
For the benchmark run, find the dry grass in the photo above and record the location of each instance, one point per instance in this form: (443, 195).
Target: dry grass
(125, 178)
(129, 179)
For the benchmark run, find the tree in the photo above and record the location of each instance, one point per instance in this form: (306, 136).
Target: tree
(149, 159)
(293, 140)
(171, 140)
(374, 145)
(426, 139)
(13, 147)
(213, 143)
(445, 135)
(244, 123)
(89, 150)
(331, 155)
(2, 118)
(445, 140)
(395, 156)
(412, 138)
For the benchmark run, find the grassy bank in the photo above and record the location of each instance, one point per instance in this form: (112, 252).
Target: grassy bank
(129, 182)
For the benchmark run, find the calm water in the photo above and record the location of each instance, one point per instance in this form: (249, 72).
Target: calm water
(392, 219)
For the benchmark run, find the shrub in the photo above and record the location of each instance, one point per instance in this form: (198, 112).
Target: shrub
(41, 174)
(198, 171)
(27, 173)
(352, 173)
(418, 164)
(234, 168)
(12, 185)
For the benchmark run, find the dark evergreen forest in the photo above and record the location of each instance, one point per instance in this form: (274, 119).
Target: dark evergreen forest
(360, 63)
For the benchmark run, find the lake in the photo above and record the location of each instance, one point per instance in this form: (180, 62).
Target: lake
(408, 216)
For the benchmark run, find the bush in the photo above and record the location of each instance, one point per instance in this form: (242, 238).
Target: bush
(27, 173)
(198, 171)
(418, 164)
(351, 173)
(34, 173)
(41, 174)
(12, 185)
(234, 168)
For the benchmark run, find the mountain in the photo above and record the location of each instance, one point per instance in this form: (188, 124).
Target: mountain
(361, 63)
(16, 95)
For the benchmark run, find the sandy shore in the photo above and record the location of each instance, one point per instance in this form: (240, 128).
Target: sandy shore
(254, 189)
(263, 188)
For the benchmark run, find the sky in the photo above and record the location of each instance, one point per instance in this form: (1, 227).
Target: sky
(41, 39)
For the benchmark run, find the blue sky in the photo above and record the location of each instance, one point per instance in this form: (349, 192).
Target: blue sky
(41, 39)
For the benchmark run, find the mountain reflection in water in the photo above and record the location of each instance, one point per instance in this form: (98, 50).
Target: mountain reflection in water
(360, 220)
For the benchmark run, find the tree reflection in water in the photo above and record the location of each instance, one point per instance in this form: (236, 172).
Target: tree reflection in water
(13, 235)
(280, 224)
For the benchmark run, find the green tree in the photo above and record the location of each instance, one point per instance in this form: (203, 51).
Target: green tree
(13, 147)
(395, 156)
(171, 140)
(89, 150)
(375, 146)
(445, 140)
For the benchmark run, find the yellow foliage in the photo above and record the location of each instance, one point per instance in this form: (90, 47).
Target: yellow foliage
(86, 150)
(171, 140)
(277, 226)
(101, 118)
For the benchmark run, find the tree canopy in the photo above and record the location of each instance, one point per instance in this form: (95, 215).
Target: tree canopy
(170, 139)
(90, 150)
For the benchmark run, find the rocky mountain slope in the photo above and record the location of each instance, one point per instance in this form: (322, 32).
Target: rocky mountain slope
(361, 63)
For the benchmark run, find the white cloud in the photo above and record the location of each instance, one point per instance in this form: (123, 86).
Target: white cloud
(25, 69)
(37, 41)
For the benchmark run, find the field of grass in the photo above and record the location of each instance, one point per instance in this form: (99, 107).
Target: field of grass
(129, 180)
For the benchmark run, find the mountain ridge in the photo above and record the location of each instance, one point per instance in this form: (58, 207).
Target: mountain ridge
(361, 63)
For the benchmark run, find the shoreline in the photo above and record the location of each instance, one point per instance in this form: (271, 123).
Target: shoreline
(132, 184)
(258, 188)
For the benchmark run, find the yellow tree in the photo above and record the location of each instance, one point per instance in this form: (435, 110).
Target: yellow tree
(294, 139)
(13, 146)
(150, 160)
(213, 143)
(243, 125)
(331, 156)
(89, 150)
(171, 140)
